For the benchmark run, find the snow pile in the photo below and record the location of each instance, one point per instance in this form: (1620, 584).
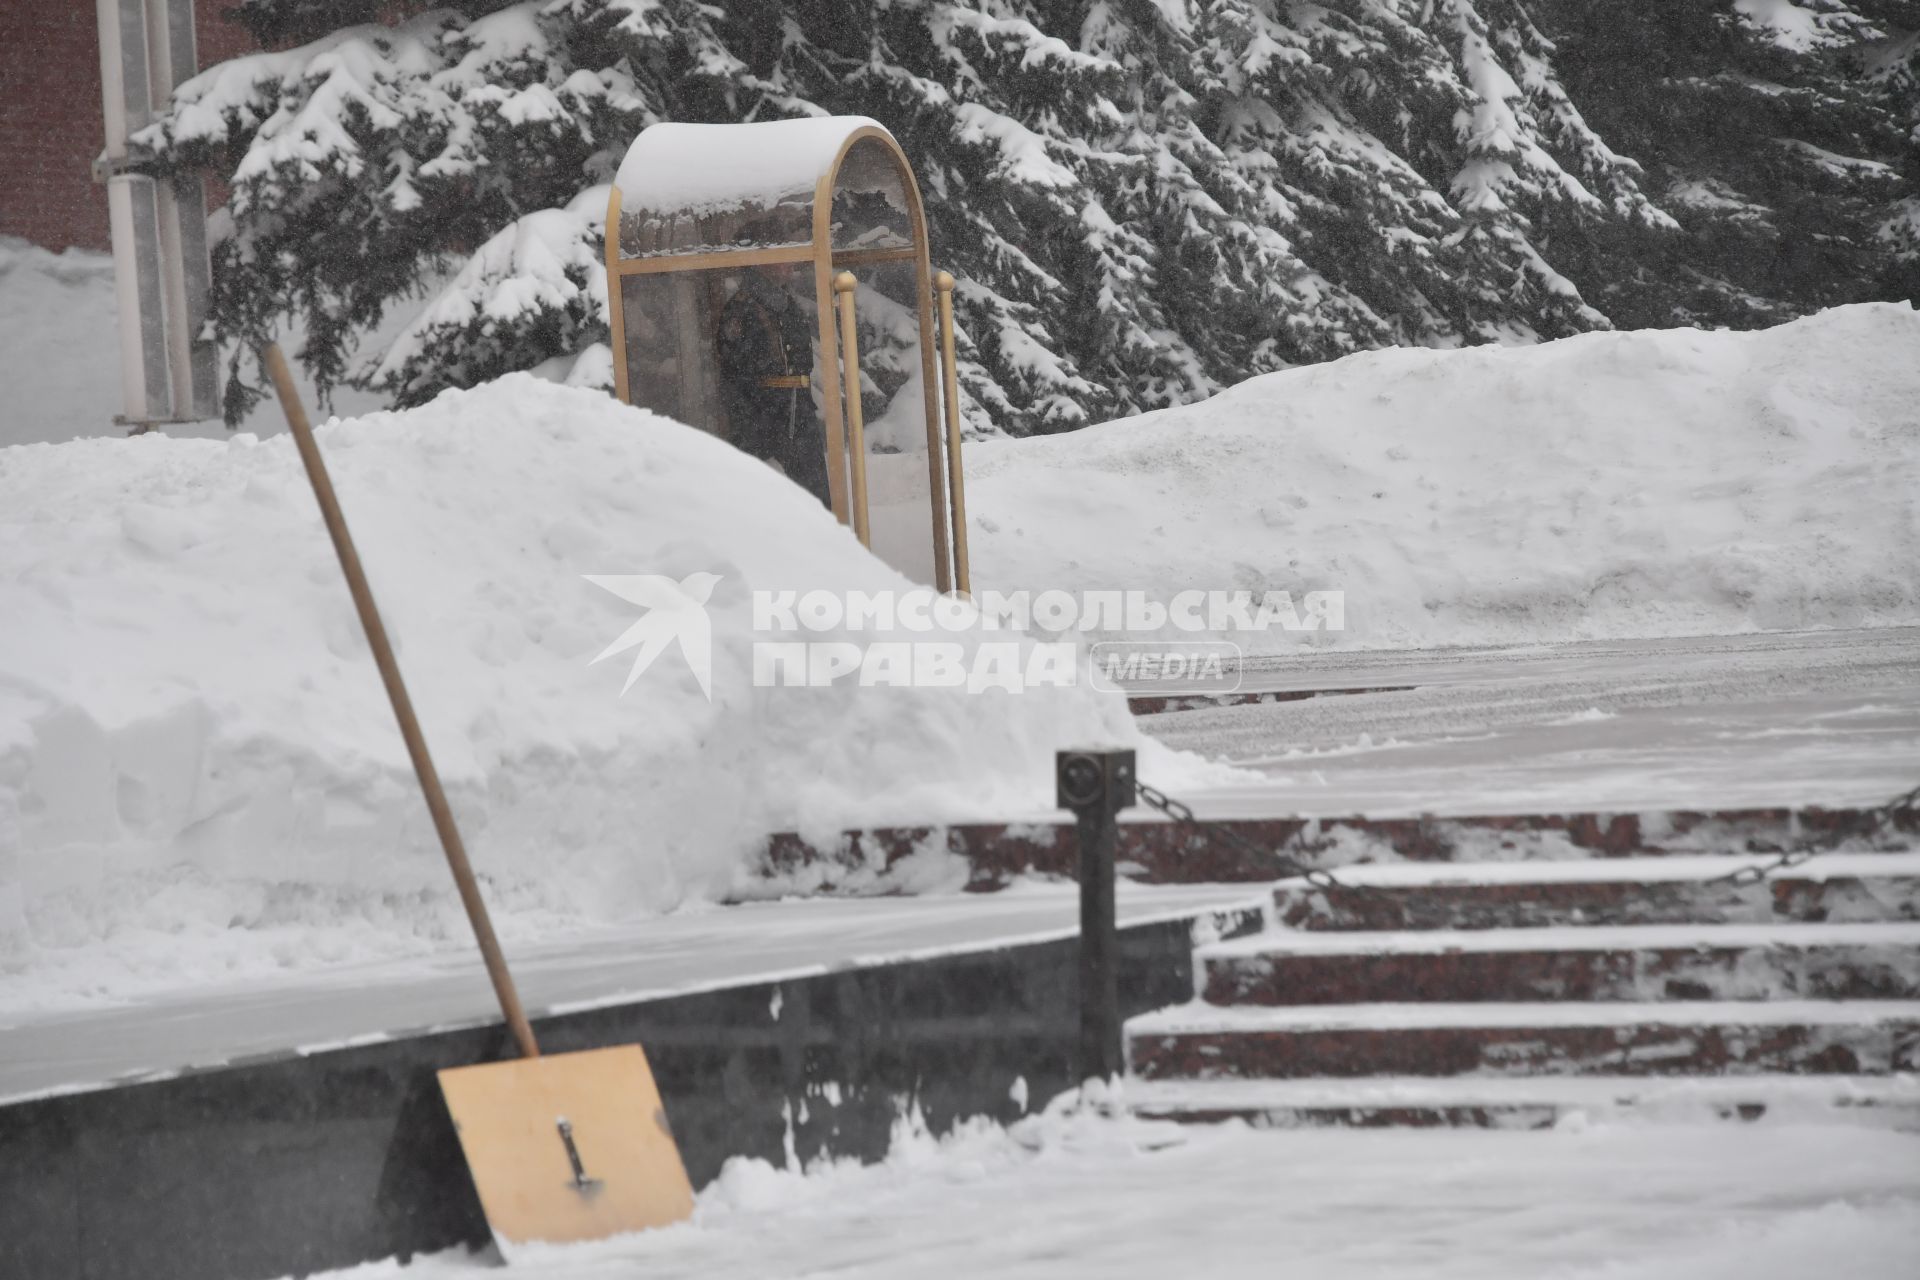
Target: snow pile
(59, 358)
(60, 352)
(1658, 482)
(199, 773)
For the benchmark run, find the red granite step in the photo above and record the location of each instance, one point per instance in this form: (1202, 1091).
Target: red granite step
(1506, 1102)
(1835, 888)
(1635, 963)
(1163, 852)
(1200, 1041)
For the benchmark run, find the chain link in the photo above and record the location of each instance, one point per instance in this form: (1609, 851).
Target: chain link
(1181, 814)
(1869, 823)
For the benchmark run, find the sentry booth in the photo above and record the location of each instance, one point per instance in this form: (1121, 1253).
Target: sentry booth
(769, 283)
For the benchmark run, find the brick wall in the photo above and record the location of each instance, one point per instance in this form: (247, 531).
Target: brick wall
(51, 124)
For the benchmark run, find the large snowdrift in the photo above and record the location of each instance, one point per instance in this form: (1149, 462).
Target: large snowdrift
(1657, 482)
(199, 773)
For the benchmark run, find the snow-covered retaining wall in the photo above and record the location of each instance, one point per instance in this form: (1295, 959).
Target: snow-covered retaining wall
(200, 778)
(1658, 482)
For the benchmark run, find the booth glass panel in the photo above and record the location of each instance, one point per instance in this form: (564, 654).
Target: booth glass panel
(662, 329)
(735, 353)
(648, 233)
(900, 505)
(870, 205)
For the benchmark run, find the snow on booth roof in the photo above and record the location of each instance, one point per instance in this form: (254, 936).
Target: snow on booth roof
(690, 188)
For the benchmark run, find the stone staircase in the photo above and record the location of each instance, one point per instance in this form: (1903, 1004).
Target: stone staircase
(1517, 993)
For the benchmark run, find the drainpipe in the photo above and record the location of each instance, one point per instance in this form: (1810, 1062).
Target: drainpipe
(169, 372)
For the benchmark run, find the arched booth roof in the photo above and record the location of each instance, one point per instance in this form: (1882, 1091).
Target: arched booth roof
(706, 188)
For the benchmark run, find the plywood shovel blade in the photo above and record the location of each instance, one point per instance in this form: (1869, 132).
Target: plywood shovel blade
(572, 1146)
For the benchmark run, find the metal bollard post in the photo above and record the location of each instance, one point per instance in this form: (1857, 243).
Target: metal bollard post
(1096, 783)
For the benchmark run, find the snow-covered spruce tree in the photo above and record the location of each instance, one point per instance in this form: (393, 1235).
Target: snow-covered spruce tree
(977, 99)
(1784, 137)
(1146, 199)
(278, 23)
(1417, 175)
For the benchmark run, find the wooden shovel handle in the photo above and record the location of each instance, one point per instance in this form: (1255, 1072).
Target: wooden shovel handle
(276, 367)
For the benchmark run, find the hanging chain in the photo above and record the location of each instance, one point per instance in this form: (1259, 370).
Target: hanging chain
(1291, 868)
(1867, 823)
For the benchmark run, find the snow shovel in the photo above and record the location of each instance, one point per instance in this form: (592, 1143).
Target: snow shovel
(562, 1148)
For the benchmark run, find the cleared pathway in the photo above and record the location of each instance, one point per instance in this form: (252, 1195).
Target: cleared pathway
(1829, 718)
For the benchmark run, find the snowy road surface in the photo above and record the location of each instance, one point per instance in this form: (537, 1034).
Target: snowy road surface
(1076, 1196)
(61, 1049)
(1828, 717)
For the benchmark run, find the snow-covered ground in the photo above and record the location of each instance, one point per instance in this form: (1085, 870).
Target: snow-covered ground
(1071, 1194)
(1657, 482)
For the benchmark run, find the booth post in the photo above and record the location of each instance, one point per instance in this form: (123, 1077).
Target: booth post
(962, 580)
(843, 286)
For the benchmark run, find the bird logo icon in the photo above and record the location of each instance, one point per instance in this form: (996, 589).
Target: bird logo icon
(676, 611)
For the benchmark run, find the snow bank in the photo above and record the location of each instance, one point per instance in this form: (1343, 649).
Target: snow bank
(1657, 482)
(59, 356)
(60, 352)
(199, 773)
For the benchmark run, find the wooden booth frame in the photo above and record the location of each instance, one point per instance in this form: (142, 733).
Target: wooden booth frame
(846, 455)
